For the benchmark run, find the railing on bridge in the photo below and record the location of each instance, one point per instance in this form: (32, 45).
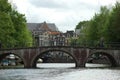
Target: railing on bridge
(74, 44)
(113, 44)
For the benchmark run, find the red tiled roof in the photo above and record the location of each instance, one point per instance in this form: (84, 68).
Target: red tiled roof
(54, 32)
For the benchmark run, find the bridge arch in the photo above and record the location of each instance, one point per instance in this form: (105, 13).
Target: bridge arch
(109, 56)
(34, 61)
(3, 55)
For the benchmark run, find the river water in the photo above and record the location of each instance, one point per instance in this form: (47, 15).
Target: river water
(60, 72)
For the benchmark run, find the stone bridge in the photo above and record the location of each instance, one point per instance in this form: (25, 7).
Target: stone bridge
(79, 54)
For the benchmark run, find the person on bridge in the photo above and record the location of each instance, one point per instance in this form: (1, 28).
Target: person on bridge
(101, 42)
(0, 45)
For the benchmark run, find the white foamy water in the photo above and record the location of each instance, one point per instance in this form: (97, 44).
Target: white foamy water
(56, 65)
(60, 73)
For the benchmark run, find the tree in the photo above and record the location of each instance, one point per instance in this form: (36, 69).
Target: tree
(5, 6)
(82, 26)
(113, 25)
(22, 35)
(13, 29)
(6, 30)
(93, 29)
(6, 25)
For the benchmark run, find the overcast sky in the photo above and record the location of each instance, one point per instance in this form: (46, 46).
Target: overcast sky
(66, 14)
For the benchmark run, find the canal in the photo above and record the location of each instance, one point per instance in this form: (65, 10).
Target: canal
(60, 72)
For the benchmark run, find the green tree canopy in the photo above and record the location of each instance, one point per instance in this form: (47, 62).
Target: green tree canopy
(6, 30)
(81, 24)
(22, 34)
(5, 6)
(113, 25)
(13, 29)
(95, 28)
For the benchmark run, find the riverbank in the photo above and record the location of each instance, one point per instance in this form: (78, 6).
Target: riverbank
(12, 67)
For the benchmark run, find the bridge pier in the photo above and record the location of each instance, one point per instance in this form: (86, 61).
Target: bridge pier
(79, 65)
(27, 64)
(28, 56)
(81, 62)
(81, 56)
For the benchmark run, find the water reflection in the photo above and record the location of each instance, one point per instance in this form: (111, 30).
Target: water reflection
(62, 73)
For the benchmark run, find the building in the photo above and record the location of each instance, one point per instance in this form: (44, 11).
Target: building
(43, 33)
(70, 35)
(47, 34)
(52, 38)
(60, 40)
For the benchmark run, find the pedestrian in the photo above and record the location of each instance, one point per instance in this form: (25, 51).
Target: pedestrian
(0, 45)
(102, 42)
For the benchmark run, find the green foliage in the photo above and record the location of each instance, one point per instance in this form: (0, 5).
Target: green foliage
(104, 25)
(13, 29)
(22, 34)
(5, 6)
(113, 25)
(81, 24)
(6, 30)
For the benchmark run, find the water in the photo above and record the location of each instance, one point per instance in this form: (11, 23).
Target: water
(60, 72)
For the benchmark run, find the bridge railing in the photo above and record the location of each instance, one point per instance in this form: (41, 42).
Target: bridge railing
(113, 44)
(75, 44)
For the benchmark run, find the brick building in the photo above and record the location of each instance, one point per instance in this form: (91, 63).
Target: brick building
(46, 34)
